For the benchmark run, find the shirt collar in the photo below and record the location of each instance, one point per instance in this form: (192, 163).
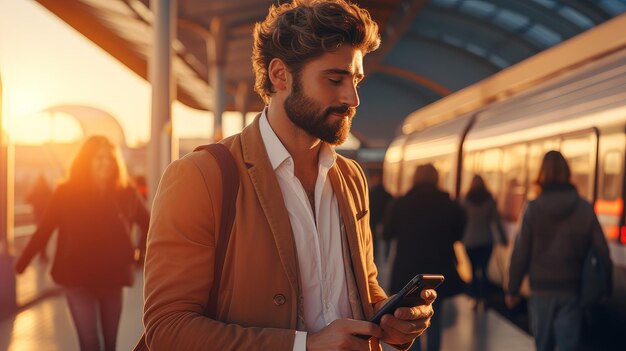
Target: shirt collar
(278, 153)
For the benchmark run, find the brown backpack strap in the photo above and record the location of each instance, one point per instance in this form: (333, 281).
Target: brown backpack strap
(230, 186)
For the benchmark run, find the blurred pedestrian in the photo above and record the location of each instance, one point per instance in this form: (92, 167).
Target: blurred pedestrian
(556, 232)
(94, 211)
(379, 199)
(38, 198)
(484, 224)
(425, 223)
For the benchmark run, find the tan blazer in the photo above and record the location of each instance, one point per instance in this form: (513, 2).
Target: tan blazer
(257, 302)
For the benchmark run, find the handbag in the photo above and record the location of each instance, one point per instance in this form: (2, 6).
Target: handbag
(230, 186)
(594, 283)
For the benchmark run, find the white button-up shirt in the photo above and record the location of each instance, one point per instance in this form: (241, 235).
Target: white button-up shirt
(317, 236)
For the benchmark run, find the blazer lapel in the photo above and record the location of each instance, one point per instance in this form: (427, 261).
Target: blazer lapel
(348, 211)
(270, 197)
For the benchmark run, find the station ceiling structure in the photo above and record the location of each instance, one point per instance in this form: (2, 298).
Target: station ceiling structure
(430, 48)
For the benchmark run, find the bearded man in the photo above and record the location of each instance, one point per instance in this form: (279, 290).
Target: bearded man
(299, 272)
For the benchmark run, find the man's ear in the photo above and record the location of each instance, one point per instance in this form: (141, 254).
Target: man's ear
(279, 74)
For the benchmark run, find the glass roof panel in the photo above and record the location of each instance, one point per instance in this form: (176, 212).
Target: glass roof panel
(452, 40)
(546, 3)
(478, 8)
(614, 7)
(543, 35)
(576, 17)
(476, 50)
(511, 20)
(499, 61)
(445, 3)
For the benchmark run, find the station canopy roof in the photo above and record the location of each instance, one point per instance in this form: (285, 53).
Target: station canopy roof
(429, 48)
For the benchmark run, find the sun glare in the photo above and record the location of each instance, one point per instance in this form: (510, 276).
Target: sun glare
(40, 128)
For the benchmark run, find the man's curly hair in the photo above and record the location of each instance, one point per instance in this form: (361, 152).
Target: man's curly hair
(303, 30)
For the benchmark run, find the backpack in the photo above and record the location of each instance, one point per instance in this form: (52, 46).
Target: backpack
(595, 284)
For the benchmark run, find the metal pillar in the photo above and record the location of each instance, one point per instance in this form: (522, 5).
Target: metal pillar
(241, 101)
(216, 57)
(8, 300)
(160, 147)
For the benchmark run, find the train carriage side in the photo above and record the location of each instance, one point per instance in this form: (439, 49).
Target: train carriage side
(582, 113)
(439, 145)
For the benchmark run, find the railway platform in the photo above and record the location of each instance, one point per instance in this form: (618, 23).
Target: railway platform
(44, 324)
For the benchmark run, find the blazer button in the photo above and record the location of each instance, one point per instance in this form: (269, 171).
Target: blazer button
(279, 299)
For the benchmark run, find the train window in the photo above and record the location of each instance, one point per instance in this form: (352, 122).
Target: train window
(535, 155)
(469, 169)
(488, 165)
(444, 168)
(611, 180)
(513, 195)
(579, 154)
(536, 150)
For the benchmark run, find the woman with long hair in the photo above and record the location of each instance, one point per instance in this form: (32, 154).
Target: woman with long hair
(478, 239)
(94, 211)
(557, 230)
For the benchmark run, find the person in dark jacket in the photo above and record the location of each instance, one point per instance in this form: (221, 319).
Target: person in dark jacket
(94, 211)
(379, 200)
(557, 230)
(483, 224)
(425, 223)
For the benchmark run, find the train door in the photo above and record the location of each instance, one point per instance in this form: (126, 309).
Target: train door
(609, 205)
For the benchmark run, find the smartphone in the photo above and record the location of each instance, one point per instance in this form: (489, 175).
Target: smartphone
(409, 296)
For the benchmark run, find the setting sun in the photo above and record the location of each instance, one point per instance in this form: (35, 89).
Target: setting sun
(41, 128)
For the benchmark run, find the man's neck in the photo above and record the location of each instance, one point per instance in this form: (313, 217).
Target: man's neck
(303, 148)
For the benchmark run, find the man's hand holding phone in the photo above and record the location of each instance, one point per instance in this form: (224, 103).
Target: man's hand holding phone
(407, 323)
(405, 315)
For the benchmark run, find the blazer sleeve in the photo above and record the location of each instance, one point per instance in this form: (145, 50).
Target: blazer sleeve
(179, 268)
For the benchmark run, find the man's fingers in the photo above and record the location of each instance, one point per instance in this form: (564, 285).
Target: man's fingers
(414, 313)
(357, 327)
(429, 295)
(390, 323)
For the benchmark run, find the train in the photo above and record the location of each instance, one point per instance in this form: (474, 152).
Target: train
(570, 98)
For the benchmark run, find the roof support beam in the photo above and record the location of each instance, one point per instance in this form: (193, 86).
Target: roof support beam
(414, 77)
(394, 34)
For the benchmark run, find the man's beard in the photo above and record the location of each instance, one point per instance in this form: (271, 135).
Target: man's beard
(307, 114)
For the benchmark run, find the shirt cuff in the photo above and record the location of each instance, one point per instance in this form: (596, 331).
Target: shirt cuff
(299, 343)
